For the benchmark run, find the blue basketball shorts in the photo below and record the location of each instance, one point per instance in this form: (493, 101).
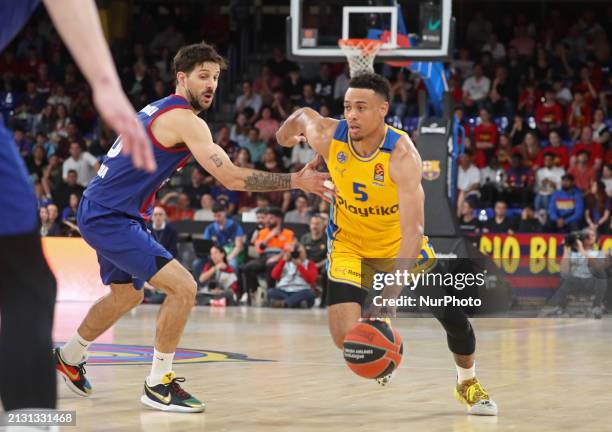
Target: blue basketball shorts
(18, 214)
(127, 251)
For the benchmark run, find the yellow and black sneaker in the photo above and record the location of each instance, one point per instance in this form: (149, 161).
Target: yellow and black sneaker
(73, 375)
(478, 402)
(169, 396)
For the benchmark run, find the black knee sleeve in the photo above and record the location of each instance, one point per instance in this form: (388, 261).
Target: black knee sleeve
(459, 332)
(27, 300)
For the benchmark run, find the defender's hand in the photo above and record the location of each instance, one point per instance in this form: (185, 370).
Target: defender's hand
(117, 112)
(293, 141)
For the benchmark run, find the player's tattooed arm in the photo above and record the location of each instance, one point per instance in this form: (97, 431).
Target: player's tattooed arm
(267, 181)
(216, 159)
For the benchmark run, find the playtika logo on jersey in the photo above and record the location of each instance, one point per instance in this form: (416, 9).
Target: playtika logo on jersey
(375, 210)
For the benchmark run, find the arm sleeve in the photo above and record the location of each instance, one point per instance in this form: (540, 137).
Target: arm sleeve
(309, 273)
(278, 269)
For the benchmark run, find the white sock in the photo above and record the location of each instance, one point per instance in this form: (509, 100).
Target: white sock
(74, 351)
(162, 364)
(465, 374)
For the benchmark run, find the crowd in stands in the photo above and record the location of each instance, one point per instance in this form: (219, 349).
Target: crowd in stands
(533, 98)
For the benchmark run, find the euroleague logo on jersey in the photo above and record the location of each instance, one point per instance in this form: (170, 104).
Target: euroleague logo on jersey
(375, 210)
(379, 172)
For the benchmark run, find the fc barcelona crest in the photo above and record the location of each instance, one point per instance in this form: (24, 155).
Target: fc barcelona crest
(431, 169)
(379, 172)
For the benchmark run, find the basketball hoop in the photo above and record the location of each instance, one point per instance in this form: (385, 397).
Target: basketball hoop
(360, 54)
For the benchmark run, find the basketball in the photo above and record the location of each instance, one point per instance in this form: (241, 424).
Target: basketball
(373, 349)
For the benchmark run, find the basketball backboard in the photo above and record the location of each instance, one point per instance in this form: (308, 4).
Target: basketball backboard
(412, 29)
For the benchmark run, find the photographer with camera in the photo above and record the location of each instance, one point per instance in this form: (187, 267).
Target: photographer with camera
(583, 269)
(296, 276)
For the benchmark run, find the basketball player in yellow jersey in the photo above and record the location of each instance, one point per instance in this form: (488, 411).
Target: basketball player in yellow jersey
(377, 213)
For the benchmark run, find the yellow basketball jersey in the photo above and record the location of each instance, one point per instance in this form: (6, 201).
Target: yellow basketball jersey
(365, 215)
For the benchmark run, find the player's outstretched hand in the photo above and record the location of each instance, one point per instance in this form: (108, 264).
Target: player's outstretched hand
(117, 112)
(312, 181)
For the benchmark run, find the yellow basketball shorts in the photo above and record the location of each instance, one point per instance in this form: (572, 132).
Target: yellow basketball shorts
(346, 266)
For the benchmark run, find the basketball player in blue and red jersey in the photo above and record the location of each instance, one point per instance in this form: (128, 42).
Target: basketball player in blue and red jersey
(27, 286)
(111, 219)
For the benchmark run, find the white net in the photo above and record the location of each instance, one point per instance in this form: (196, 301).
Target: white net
(360, 54)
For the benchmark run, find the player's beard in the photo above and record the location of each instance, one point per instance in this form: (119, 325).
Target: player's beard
(194, 101)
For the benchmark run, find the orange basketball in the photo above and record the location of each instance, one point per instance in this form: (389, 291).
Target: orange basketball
(373, 349)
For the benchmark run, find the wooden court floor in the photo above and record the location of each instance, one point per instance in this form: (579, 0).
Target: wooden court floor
(545, 375)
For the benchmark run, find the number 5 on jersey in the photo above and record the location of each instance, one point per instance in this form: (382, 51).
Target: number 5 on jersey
(359, 191)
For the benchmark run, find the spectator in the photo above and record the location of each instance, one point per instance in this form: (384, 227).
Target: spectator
(197, 187)
(468, 223)
(163, 231)
(529, 149)
(267, 124)
(601, 131)
(37, 162)
(578, 115)
(47, 228)
(248, 98)
(468, 180)
(243, 158)
(504, 152)
(278, 64)
(606, 178)
(265, 84)
(528, 222)
(557, 149)
(70, 213)
(464, 65)
(32, 98)
(218, 277)
(477, 30)
(309, 99)
(69, 186)
(547, 181)
(400, 95)
(301, 154)
(475, 90)
(566, 206)
(224, 141)
(594, 149)
(562, 93)
(255, 145)
(227, 234)
(524, 44)
(493, 46)
(315, 242)
(301, 214)
(502, 95)
(294, 86)
(491, 182)
(82, 162)
(500, 223)
(518, 184)
(59, 97)
(178, 211)
(584, 174)
(170, 38)
(240, 130)
(223, 195)
(597, 205)
(485, 138)
(341, 85)
(44, 121)
(295, 275)
(549, 115)
(270, 243)
(580, 271)
(324, 85)
(205, 213)
(24, 145)
(53, 212)
(281, 107)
